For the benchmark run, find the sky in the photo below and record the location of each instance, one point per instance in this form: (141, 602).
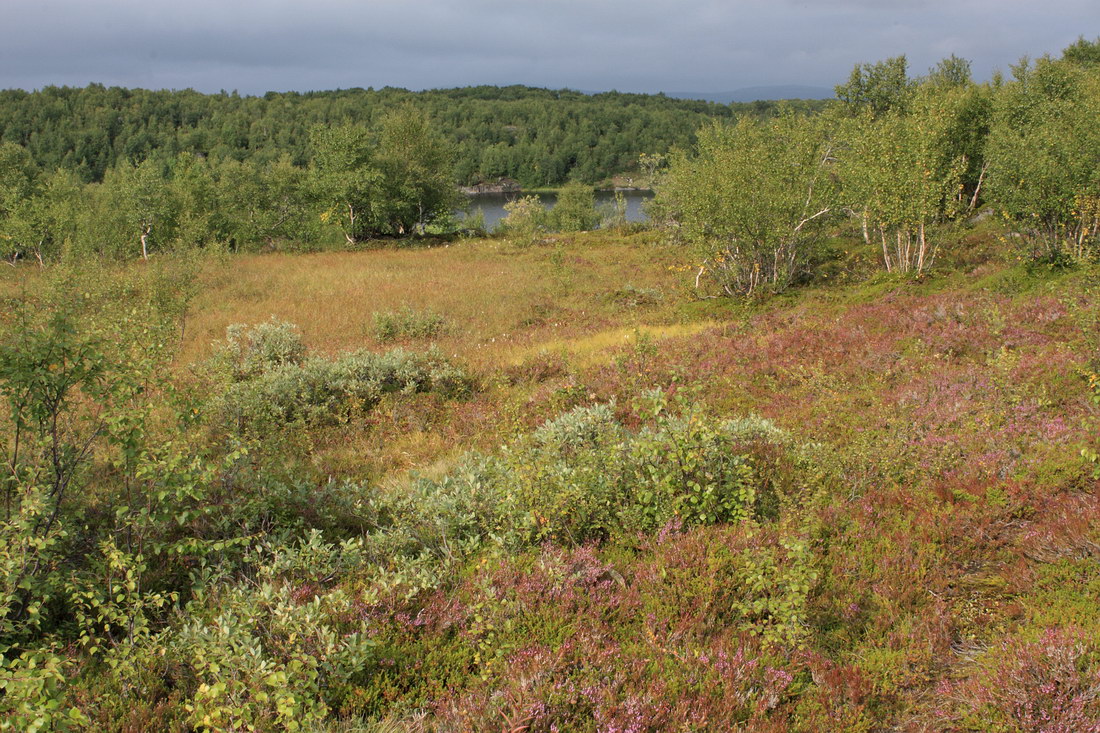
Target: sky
(254, 46)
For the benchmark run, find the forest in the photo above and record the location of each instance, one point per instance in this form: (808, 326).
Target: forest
(540, 137)
(816, 448)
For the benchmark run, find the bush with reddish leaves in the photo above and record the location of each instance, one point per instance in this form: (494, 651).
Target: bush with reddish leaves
(1050, 685)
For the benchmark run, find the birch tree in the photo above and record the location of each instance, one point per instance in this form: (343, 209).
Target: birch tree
(897, 180)
(1044, 152)
(144, 202)
(753, 200)
(345, 178)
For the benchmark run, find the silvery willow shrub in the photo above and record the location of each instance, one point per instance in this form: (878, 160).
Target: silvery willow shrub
(252, 350)
(274, 383)
(271, 651)
(525, 222)
(585, 477)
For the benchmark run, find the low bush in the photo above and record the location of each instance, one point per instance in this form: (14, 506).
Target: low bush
(631, 296)
(322, 391)
(273, 382)
(525, 222)
(251, 350)
(1050, 684)
(585, 477)
(407, 323)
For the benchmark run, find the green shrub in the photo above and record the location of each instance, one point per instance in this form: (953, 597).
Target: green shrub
(251, 350)
(267, 654)
(575, 210)
(407, 323)
(585, 477)
(525, 222)
(325, 391)
(753, 200)
(32, 693)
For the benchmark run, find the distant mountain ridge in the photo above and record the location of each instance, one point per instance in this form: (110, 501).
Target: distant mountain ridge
(753, 94)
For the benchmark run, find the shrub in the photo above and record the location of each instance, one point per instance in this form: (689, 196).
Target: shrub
(472, 224)
(33, 699)
(525, 222)
(324, 391)
(407, 323)
(575, 210)
(584, 477)
(251, 350)
(268, 655)
(613, 213)
(753, 201)
(631, 296)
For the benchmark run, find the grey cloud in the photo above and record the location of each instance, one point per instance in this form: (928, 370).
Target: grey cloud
(643, 45)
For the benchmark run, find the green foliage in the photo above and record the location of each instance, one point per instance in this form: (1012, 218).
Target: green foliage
(408, 323)
(655, 566)
(266, 656)
(584, 477)
(541, 137)
(49, 371)
(16, 183)
(93, 507)
(387, 181)
(1044, 153)
(950, 73)
(272, 383)
(417, 167)
(897, 176)
(33, 693)
(345, 178)
(753, 200)
(878, 88)
(473, 224)
(525, 221)
(145, 204)
(574, 210)
(1083, 52)
(249, 351)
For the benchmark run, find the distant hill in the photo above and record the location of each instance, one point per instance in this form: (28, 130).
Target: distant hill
(753, 94)
(539, 137)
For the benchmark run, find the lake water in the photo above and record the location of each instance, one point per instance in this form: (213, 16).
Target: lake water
(492, 204)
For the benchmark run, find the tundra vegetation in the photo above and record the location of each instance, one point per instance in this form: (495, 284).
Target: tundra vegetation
(816, 450)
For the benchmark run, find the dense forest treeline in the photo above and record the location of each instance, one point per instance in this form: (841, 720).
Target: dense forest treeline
(105, 172)
(539, 137)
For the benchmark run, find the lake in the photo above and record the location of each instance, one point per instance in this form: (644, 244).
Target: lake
(492, 204)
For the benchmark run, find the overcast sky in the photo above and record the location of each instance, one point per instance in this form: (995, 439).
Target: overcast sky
(255, 46)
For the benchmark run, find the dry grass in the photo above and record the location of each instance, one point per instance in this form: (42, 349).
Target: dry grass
(500, 302)
(506, 309)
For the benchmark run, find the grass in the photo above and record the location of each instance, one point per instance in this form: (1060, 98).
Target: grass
(496, 298)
